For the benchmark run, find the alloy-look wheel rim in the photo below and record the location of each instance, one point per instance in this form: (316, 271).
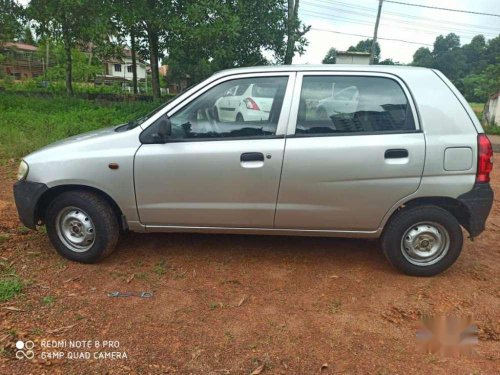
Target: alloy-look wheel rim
(75, 229)
(425, 243)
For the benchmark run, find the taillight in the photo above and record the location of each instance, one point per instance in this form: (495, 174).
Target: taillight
(251, 104)
(484, 159)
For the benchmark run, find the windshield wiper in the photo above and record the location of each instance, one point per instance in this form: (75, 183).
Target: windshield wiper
(131, 124)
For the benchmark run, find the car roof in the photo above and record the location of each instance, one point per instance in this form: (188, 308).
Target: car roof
(319, 67)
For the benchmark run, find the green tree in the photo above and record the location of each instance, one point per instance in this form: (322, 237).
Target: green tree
(423, 57)
(10, 25)
(330, 57)
(70, 22)
(366, 46)
(474, 54)
(210, 35)
(479, 87)
(81, 69)
(389, 62)
(26, 36)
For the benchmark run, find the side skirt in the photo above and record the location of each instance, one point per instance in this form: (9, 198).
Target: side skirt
(263, 231)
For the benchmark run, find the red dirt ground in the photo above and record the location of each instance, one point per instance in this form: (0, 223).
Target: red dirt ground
(228, 304)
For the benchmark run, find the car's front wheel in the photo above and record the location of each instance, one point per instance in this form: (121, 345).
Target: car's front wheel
(82, 226)
(422, 240)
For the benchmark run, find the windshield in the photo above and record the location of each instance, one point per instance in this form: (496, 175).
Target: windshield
(134, 123)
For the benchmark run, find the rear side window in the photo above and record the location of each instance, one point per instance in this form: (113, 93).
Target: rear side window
(349, 104)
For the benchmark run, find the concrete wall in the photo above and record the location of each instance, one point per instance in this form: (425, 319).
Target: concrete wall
(353, 59)
(491, 114)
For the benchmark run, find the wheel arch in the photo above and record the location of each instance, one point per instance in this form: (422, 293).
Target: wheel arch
(454, 206)
(49, 195)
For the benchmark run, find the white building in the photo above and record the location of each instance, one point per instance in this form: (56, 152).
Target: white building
(121, 69)
(362, 58)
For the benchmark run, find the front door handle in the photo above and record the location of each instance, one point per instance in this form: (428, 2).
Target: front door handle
(396, 153)
(252, 156)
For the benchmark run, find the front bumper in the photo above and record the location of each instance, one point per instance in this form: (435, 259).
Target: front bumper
(26, 195)
(478, 202)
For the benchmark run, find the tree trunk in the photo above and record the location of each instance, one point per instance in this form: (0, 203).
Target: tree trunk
(47, 57)
(91, 56)
(134, 61)
(69, 69)
(153, 56)
(290, 32)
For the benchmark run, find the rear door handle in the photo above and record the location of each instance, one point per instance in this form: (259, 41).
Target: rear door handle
(252, 156)
(396, 153)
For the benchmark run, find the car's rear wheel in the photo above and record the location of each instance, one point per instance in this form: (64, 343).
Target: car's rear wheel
(239, 118)
(422, 240)
(82, 226)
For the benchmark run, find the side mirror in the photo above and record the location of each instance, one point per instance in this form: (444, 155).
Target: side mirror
(164, 128)
(159, 132)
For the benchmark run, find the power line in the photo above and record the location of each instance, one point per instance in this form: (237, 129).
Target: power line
(420, 21)
(408, 25)
(447, 9)
(370, 36)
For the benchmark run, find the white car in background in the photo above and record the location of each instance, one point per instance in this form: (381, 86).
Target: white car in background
(343, 101)
(245, 103)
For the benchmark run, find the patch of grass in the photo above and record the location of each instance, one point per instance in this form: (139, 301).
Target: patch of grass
(214, 305)
(37, 331)
(30, 122)
(61, 264)
(23, 230)
(3, 238)
(9, 288)
(478, 109)
(161, 268)
(334, 306)
(48, 300)
(141, 275)
(10, 283)
(492, 129)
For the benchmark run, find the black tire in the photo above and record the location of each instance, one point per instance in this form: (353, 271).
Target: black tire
(102, 217)
(239, 118)
(403, 221)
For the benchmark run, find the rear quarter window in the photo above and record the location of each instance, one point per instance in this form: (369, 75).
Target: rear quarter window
(352, 104)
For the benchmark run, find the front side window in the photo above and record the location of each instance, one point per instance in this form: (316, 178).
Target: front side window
(118, 68)
(352, 104)
(241, 108)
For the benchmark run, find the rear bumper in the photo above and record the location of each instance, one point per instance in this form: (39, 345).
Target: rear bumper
(478, 202)
(26, 195)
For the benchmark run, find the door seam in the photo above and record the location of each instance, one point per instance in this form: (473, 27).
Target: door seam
(284, 151)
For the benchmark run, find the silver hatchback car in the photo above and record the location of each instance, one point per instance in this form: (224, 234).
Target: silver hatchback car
(393, 153)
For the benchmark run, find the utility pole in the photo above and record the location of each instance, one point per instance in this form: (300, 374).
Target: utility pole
(375, 32)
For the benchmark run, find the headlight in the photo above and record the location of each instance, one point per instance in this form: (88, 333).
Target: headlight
(22, 172)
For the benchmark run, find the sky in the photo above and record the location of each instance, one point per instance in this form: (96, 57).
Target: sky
(413, 24)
